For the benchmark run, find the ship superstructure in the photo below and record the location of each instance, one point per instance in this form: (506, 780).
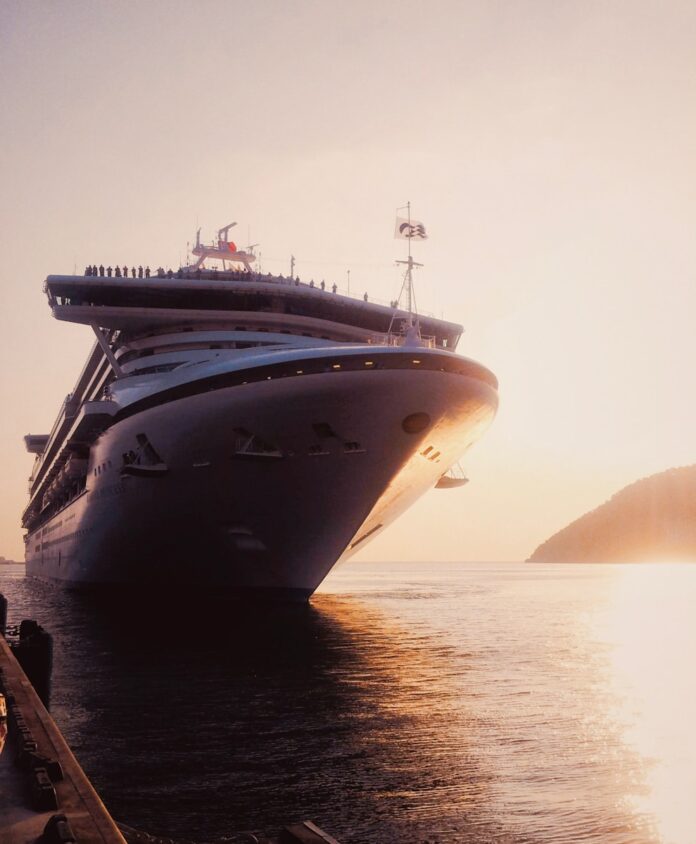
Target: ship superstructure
(241, 431)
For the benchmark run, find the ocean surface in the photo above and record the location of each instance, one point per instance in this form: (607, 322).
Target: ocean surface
(407, 703)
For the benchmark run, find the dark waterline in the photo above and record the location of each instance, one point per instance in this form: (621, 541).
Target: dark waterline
(458, 703)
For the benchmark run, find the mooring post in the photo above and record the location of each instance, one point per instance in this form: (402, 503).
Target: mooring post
(34, 652)
(3, 615)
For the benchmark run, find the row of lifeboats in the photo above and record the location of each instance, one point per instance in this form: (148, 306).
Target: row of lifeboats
(73, 469)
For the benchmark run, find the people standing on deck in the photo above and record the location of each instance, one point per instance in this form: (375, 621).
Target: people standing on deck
(334, 287)
(365, 297)
(117, 272)
(323, 284)
(140, 272)
(101, 269)
(109, 270)
(147, 272)
(133, 271)
(88, 271)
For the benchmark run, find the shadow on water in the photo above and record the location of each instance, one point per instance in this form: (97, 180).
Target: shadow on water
(201, 719)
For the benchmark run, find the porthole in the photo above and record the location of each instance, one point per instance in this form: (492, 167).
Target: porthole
(415, 423)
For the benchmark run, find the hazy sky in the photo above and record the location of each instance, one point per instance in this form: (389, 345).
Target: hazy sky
(547, 146)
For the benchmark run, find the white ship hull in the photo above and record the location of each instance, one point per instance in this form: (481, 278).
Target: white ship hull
(207, 516)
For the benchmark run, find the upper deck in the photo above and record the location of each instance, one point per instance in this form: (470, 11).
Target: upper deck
(206, 297)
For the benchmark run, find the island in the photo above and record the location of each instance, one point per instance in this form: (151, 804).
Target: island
(5, 562)
(651, 520)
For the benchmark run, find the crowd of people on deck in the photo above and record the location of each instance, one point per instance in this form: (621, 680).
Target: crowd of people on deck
(144, 272)
(232, 275)
(118, 272)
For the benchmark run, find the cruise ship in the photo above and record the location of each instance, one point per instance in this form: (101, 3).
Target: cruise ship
(241, 432)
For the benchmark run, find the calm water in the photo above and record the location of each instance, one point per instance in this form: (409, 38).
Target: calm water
(408, 703)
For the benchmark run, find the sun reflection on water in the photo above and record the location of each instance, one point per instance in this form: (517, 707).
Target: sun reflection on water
(649, 626)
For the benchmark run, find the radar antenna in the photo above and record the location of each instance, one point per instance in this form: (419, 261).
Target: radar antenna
(223, 249)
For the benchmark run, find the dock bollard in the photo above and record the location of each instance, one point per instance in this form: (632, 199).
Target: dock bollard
(3, 615)
(34, 652)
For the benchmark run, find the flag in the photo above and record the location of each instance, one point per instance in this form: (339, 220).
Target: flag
(232, 246)
(409, 231)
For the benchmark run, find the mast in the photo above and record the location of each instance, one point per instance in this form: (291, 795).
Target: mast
(410, 264)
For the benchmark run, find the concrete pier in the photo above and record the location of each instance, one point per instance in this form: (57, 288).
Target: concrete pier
(35, 764)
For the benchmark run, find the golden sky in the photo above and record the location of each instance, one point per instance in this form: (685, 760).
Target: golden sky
(547, 146)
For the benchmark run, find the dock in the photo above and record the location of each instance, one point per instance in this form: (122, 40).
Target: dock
(45, 796)
(40, 779)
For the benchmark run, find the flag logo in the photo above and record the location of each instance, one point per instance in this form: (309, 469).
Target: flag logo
(413, 230)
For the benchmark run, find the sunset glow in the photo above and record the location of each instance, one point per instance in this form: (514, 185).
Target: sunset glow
(548, 150)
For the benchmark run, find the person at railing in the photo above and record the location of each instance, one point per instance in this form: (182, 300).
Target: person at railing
(334, 287)
(88, 271)
(117, 272)
(311, 283)
(140, 271)
(147, 272)
(109, 271)
(125, 271)
(365, 297)
(101, 269)
(323, 284)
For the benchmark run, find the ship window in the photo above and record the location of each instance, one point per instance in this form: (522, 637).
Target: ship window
(426, 451)
(149, 370)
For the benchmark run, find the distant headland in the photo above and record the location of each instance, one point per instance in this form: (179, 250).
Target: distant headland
(653, 519)
(5, 562)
